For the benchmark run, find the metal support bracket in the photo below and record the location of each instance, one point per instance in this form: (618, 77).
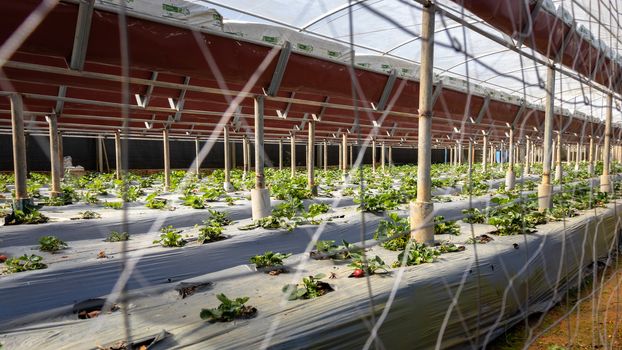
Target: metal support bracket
(318, 117)
(179, 106)
(283, 115)
(300, 127)
(279, 71)
(143, 100)
(81, 36)
(391, 132)
(388, 87)
(60, 103)
(149, 125)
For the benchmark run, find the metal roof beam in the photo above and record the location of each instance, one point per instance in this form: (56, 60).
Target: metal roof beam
(483, 110)
(519, 114)
(81, 36)
(180, 101)
(438, 89)
(279, 70)
(388, 87)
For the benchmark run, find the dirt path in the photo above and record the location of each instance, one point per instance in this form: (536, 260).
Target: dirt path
(590, 318)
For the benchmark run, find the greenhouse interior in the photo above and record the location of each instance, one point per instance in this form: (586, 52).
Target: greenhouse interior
(327, 174)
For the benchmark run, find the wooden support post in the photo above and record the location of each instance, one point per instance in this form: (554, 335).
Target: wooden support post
(167, 160)
(280, 154)
(260, 195)
(545, 189)
(117, 155)
(485, 155)
(19, 152)
(422, 210)
(311, 159)
(292, 156)
(227, 185)
(510, 177)
(55, 191)
(605, 181)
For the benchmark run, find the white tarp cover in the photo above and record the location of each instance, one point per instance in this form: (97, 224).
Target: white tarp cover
(187, 12)
(387, 64)
(391, 28)
(301, 42)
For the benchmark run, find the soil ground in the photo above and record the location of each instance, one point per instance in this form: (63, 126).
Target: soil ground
(587, 318)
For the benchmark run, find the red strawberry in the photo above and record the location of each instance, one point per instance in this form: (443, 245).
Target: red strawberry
(3, 258)
(358, 273)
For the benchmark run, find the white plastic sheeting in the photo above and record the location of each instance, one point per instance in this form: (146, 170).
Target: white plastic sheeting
(185, 11)
(391, 28)
(387, 64)
(301, 42)
(462, 301)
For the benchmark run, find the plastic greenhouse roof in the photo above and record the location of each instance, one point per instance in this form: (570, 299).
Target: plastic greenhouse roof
(391, 28)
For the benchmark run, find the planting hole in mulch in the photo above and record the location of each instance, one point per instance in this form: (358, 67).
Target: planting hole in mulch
(323, 288)
(141, 344)
(91, 308)
(314, 254)
(273, 270)
(186, 289)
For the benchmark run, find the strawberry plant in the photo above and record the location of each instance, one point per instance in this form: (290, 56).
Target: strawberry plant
(212, 194)
(30, 215)
(417, 253)
(271, 223)
(219, 217)
(89, 214)
(195, 202)
(210, 233)
(90, 198)
(473, 216)
(24, 263)
(316, 209)
(347, 192)
(371, 267)
(510, 223)
(445, 227)
(393, 233)
(329, 250)
(51, 244)
(288, 209)
(269, 259)
(131, 193)
(377, 203)
(284, 187)
(311, 287)
(116, 236)
(170, 237)
(154, 202)
(113, 205)
(230, 200)
(228, 310)
(447, 247)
